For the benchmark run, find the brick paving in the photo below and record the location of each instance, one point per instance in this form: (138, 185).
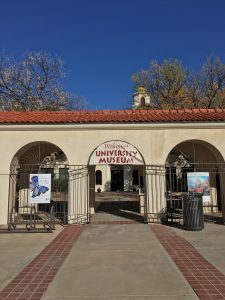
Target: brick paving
(207, 281)
(32, 282)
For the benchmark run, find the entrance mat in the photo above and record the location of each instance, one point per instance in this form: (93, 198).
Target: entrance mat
(32, 282)
(203, 277)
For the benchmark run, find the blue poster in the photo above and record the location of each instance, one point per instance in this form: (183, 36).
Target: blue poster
(40, 188)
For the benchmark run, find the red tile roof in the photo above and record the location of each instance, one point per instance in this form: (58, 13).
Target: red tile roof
(113, 116)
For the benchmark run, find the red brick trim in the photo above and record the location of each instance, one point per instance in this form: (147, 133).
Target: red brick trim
(203, 277)
(33, 280)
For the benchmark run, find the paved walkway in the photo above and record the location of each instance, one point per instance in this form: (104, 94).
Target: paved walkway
(206, 280)
(33, 280)
(119, 262)
(115, 261)
(210, 242)
(117, 207)
(19, 249)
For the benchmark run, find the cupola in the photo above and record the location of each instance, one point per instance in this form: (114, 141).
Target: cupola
(141, 98)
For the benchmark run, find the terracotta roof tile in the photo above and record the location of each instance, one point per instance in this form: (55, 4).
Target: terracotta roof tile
(113, 116)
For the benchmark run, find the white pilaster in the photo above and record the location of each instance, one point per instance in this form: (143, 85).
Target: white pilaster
(155, 210)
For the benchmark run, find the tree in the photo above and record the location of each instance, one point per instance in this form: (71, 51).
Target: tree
(164, 82)
(172, 86)
(34, 84)
(212, 82)
(207, 87)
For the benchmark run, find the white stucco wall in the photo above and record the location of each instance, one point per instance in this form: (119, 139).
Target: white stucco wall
(154, 141)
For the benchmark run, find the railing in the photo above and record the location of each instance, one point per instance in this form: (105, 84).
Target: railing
(175, 210)
(174, 207)
(27, 218)
(212, 213)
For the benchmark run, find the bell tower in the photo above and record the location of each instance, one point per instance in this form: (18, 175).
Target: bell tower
(141, 98)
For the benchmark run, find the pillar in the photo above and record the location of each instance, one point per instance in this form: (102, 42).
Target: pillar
(222, 194)
(155, 196)
(4, 187)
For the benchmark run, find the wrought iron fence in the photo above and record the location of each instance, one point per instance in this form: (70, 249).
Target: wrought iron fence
(162, 191)
(177, 184)
(66, 182)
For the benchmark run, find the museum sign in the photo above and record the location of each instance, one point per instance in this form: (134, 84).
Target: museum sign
(116, 153)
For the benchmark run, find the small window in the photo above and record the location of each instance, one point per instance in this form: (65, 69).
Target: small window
(98, 177)
(142, 101)
(135, 177)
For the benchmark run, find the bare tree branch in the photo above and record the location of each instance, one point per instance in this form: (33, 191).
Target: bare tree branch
(34, 84)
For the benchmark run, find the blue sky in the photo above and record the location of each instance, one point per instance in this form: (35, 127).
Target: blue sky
(103, 42)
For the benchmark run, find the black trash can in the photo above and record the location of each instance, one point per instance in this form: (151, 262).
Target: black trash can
(193, 218)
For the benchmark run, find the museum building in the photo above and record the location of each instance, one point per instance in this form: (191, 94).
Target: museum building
(153, 154)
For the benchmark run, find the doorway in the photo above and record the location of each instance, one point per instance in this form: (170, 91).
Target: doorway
(116, 168)
(117, 180)
(116, 196)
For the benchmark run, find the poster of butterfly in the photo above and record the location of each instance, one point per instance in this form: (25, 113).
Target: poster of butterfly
(40, 188)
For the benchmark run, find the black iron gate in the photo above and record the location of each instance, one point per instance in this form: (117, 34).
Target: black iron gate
(78, 195)
(21, 210)
(161, 196)
(165, 187)
(177, 185)
(69, 196)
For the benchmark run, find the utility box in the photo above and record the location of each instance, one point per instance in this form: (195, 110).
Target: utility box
(193, 218)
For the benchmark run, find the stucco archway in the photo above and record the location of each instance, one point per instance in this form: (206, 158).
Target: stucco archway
(196, 158)
(32, 160)
(199, 151)
(116, 161)
(36, 152)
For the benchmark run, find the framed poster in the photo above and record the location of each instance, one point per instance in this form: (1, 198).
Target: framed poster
(198, 182)
(40, 188)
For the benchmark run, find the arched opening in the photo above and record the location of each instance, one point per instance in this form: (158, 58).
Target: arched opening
(98, 177)
(196, 166)
(39, 181)
(143, 101)
(120, 167)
